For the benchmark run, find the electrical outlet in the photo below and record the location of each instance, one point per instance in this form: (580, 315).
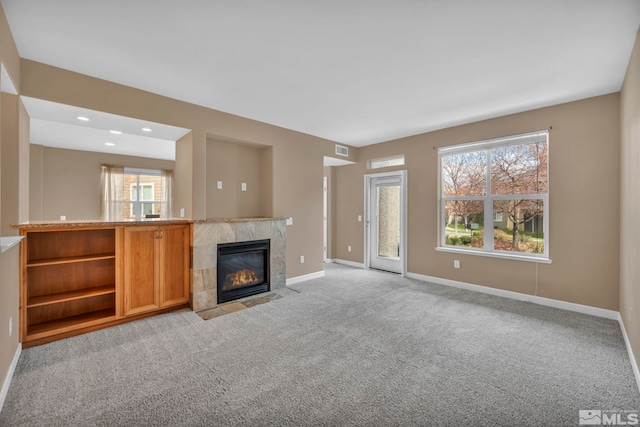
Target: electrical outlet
(359, 218)
(181, 212)
(456, 263)
(290, 220)
(301, 259)
(244, 186)
(63, 217)
(349, 248)
(219, 185)
(10, 326)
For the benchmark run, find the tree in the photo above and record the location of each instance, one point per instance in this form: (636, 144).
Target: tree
(464, 175)
(519, 169)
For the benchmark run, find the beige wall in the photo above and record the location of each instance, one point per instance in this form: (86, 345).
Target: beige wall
(8, 260)
(8, 53)
(235, 163)
(10, 163)
(9, 303)
(296, 158)
(630, 201)
(183, 174)
(15, 163)
(71, 181)
(584, 204)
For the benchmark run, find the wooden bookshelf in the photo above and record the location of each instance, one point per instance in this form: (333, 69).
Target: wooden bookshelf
(76, 279)
(70, 295)
(69, 279)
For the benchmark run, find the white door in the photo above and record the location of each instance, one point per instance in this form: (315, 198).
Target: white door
(324, 218)
(385, 222)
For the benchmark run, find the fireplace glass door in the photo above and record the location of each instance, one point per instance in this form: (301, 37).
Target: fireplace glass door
(243, 269)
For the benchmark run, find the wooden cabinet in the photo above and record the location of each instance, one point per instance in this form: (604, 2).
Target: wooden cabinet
(75, 279)
(156, 268)
(69, 280)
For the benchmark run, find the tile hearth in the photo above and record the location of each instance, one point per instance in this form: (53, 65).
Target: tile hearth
(244, 303)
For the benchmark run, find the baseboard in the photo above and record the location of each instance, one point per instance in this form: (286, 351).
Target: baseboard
(634, 364)
(305, 277)
(563, 305)
(7, 380)
(349, 263)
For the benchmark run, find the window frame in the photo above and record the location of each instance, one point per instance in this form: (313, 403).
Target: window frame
(488, 198)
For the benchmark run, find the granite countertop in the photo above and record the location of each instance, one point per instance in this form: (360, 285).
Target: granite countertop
(98, 223)
(249, 219)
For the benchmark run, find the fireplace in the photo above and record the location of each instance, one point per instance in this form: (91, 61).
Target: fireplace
(243, 269)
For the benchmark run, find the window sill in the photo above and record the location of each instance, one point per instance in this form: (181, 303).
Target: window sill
(540, 260)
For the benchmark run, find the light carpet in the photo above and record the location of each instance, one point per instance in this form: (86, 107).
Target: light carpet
(355, 348)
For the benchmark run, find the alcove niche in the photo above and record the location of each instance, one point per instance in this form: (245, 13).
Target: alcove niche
(230, 164)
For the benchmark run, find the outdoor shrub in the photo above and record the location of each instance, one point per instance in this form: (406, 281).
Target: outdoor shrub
(453, 240)
(465, 240)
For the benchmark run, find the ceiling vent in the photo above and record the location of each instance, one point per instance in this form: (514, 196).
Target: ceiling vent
(342, 150)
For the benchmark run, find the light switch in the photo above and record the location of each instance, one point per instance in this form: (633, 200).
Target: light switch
(359, 218)
(219, 185)
(244, 186)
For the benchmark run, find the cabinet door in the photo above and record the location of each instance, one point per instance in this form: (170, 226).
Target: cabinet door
(141, 278)
(174, 265)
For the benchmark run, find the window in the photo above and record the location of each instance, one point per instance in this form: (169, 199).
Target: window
(143, 194)
(506, 180)
(386, 162)
(134, 194)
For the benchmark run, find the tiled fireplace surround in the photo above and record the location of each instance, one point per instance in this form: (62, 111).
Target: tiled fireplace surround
(207, 234)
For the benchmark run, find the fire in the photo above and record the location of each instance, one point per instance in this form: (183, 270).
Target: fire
(242, 277)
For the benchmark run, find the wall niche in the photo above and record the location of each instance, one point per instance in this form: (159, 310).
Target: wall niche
(233, 164)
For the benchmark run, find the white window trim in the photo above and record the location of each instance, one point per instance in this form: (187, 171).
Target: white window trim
(488, 199)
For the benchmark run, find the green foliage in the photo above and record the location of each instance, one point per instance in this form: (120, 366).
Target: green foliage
(465, 240)
(453, 240)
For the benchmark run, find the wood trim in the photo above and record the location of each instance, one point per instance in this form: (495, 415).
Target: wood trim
(107, 324)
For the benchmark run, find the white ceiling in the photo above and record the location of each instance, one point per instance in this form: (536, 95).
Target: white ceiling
(56, 125)
(353, 71)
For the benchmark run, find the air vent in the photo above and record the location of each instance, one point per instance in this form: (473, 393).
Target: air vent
(342, 150)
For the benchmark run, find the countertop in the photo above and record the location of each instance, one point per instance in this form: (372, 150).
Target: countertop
(8, 242)
(247, 219)
(98, 223)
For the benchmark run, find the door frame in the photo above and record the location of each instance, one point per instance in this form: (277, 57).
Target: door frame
(368, 178)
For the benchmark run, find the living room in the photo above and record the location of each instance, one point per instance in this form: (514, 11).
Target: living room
(593, 142)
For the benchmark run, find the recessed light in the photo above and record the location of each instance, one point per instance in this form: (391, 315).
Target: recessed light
(115, 132)
(146, 130)
(110, 144)
(84, 119)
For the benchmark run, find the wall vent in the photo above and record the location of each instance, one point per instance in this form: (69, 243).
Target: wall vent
(342, 150)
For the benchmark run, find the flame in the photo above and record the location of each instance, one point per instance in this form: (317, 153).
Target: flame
(242, 277)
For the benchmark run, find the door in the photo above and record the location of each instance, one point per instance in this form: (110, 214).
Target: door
(174, 265)
(385, 222)
(325, 228)
(140, 270)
